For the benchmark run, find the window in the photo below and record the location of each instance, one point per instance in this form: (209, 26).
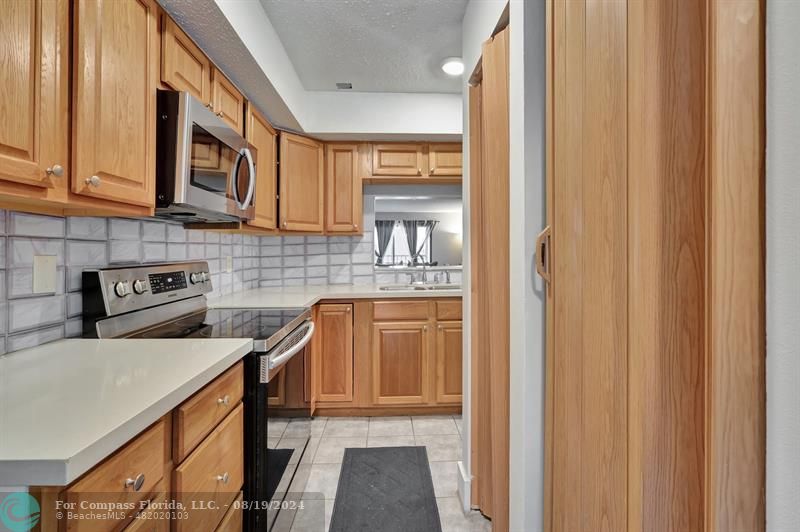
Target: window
(397, 252)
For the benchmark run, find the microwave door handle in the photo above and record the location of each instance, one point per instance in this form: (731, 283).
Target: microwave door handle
(251, 186)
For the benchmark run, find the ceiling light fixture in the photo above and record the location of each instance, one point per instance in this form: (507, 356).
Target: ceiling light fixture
(453, 66)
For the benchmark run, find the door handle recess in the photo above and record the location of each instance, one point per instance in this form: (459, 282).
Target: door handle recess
(543, 254)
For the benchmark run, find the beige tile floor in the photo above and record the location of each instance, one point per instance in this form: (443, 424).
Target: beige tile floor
(318, 474)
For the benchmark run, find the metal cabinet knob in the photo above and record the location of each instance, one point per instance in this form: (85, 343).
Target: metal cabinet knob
(440, 327)
(224, 478)
(431, 171)
(224, 400)
(284, 225)
(93, 181)
(56, 170)
(209, 106)
(135, 483)
(219, 114)
(419, 171)
(424, 327)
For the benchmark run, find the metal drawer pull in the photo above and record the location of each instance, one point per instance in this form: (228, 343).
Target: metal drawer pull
(224, 478)
(93, 181)
(135, 483)
(224, 400)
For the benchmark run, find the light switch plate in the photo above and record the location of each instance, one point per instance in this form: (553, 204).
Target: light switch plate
(228, 264)
(44, 274)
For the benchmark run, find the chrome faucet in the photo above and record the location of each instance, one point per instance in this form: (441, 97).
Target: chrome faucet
(447, 276)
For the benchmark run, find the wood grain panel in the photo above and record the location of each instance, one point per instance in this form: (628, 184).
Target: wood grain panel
(398, 159)
(400, 363)
(232, 522)
(400, 310)
(343, 189)
(262, 137)
(449, 355)
(445, 160)
(735, 380)
(197, 416)
(106, 483)
(336, 352)
(666, 256)
(301, 183)
(228, 102)
(495, 227)
(184, 66)
(33, 103)
(114, 100)
(199, 476)
(449, 309)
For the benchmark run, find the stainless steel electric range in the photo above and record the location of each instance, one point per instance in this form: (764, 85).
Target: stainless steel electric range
(169, 301)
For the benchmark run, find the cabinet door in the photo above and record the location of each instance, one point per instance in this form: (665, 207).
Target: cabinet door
(184, 66)
(227, 101)
(400, 363)
(444, 160)
(448, 362)
(398, 159)
(115, 66)
(343, 188)
(301, 183)
(262, 137)
(336, 353)
(34, 129)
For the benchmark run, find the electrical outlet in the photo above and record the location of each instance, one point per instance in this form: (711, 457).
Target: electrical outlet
(228, 264)
(44, 274)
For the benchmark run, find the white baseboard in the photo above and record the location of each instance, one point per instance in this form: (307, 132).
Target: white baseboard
(464, 487)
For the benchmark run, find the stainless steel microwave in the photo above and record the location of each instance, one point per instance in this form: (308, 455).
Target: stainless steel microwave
(205, 170)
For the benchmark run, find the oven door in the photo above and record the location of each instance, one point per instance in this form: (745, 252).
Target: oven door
(214, 167)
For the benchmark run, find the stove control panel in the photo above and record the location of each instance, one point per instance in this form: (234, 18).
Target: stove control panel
(120, 290)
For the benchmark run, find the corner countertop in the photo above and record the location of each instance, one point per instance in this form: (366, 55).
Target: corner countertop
(306, 296)
(66, 405)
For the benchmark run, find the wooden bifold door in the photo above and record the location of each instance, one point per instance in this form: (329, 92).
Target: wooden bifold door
(655, 370)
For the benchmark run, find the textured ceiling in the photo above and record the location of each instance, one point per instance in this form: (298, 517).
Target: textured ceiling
(377, 45)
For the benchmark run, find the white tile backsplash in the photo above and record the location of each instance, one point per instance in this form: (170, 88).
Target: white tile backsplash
(28, 319)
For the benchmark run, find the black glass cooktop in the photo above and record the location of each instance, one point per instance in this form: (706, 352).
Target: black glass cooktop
(227, 323)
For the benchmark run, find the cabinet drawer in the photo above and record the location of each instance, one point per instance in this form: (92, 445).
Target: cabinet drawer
(213, 474)
(448, 310)
(198, 416)
(232, 522)
(142, 459)
(154, 518)
(400, 310)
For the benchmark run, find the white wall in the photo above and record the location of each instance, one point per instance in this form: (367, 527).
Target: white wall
(783, 266)
(480, 19)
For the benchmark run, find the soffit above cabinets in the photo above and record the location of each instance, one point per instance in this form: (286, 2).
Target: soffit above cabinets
(239, 37)
(377, 45)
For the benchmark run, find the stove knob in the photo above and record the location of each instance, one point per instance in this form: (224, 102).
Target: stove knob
(196, 277)
(205, 276)
(122, 289)
(140, 286)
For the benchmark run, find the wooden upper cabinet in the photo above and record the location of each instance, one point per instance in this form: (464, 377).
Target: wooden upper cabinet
(34, 131)
(398, 159)
(343, 190)
(448, 362)
(114, 100)
(263, 141)
(301, 183)
(227, 101)
(444, 160)
(400, 363)
(184, 66)
(335, 371)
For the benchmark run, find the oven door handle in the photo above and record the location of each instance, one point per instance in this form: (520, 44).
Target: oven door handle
(296, 348)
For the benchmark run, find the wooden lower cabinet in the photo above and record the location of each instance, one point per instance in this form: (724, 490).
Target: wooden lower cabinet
(400, 363)
(335, 368)
(448, 361)
(232, 522)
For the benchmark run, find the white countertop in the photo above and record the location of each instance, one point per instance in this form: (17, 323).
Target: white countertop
(66, 405)
(306, 296)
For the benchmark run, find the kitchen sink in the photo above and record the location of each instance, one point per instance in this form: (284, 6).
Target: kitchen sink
(407, 287)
